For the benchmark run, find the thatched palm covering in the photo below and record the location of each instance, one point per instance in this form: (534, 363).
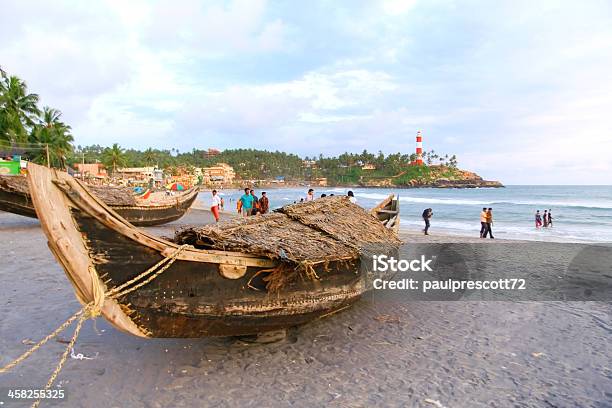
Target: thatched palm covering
(14, 183)
(114, 196)
(325, 230)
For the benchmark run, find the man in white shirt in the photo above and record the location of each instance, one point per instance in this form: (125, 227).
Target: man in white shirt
(215, 204)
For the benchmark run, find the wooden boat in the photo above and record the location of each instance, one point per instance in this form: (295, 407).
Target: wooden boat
(387, 212)
(15, 198)
(205, 292)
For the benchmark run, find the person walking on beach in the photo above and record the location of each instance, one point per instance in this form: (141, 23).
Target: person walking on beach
(255, 209)
(264, 204)
(483, 222)
(489, 223)
(545, 218)
(351, 197)
(310, 195)
(550, 218)
(246, 202)
(216, 204)
(426, 216)
(538, 219)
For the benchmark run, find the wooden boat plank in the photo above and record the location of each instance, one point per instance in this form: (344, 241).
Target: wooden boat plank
(69, 249)
(382, 204)
(387, 211)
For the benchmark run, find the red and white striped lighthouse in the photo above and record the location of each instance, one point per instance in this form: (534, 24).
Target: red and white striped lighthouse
(419, 149)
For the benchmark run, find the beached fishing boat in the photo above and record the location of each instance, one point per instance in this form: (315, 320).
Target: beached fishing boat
(15, 198)
(245, 276)
(387, 212)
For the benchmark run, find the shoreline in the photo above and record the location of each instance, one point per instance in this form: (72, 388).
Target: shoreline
(414, 235)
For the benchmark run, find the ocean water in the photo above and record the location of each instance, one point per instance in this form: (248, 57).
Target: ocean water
(580, 213)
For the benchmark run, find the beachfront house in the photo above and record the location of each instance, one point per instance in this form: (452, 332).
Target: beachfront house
(219, 174)
(93, 172)
(140, 175)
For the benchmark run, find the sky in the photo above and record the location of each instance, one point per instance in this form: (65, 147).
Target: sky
(520, 91)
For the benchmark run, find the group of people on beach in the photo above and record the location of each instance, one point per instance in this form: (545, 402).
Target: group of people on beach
(249, 204)
(545, 220)
(310, 196)
(486, 221)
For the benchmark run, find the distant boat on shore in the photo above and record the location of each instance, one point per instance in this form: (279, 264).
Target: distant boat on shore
(15, 198)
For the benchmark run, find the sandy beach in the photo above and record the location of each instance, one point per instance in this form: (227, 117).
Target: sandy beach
(384, 351)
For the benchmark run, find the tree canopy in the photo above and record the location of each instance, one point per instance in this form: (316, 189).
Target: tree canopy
(25, 127)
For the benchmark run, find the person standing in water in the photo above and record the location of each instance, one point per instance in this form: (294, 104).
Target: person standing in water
(427, 214)
(545, 218)
(351, 197)
(550, 218)
(489, 223)
(216, 204)
(483, 222)
(538, 219)
(310, 195)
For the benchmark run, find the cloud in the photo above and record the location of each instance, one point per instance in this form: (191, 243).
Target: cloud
(214, 30)
(512, 89)
(395, 7)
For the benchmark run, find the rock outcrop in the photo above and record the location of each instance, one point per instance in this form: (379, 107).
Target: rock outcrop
(435, 177)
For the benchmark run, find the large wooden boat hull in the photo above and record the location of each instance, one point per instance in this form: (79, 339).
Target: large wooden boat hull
(18, 201)
(194, 297)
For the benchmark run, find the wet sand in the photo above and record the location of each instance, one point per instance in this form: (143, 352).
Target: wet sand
(384, 351)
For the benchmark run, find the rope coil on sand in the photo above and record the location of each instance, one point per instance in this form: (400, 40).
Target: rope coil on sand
(92, 310)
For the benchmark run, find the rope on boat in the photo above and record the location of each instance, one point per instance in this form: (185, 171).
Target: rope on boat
(92, 310)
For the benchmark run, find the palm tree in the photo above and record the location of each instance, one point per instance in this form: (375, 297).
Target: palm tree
(50, 131)
(149, 156)
(113, 157)
(18, 109)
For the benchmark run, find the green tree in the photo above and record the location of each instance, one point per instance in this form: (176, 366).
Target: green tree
(52, 132)
(18, 109)
(149, 156)
(114, 157)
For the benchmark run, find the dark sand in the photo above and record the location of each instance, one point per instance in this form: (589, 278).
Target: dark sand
(384, 351)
